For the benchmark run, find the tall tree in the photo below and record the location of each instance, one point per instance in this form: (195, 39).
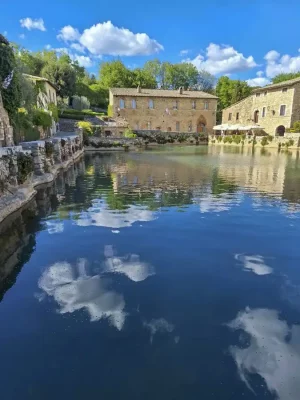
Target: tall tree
(114, 74)
(62, 75)
(181, 75)
(143, 78)
(158, 71)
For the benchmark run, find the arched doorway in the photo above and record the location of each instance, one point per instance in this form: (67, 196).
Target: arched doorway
(256, 115)
(280, 130)
(201, 124)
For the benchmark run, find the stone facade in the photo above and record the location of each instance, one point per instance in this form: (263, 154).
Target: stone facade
(164, 110)
(265, 107)
(6, 130)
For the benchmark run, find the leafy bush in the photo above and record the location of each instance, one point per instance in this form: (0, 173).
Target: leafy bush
(80, 103)
(54, 110)
(86, 127)
(42, 118)
(129, 134)
(296, 126)
(270, 138)
(25, 166)
(72, 116)
(30, 135)
(237, 139)
(289, 143)
(264, 141)
(219, 139)
(227, 139)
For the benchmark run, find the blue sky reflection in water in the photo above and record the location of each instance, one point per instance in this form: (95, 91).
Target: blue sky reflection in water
(166, 274)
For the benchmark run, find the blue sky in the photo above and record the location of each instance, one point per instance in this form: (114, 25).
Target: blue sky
(246, 39)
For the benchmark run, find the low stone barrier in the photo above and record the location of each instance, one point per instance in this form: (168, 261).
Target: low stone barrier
(30, 164)
(289, 140)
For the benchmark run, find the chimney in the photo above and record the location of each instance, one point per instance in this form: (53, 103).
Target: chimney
(139, 89)
(180, 90)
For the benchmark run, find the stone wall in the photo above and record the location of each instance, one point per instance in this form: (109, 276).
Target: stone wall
(185, 118)
(6, 130)
(271, 99)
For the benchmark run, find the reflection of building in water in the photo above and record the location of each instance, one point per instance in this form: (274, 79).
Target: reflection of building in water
(264, 174)
(273, 352)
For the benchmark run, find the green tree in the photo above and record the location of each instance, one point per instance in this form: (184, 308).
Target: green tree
(9, 73)
(63, 76)
(285, 77)
(114, 74)
(180, 75)
(31, 63)
(143, 78)
(157, 69)
(205, 82)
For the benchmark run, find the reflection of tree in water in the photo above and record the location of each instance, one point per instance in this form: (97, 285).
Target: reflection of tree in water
(221, 186)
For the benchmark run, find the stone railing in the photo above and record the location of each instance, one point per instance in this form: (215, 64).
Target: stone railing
(35, 159)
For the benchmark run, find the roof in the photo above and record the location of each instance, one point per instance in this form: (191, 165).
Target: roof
(189, 94)
(40, 79)
(278, 85)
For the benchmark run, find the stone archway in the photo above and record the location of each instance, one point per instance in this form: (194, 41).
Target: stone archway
(201, 124)
(280, 130)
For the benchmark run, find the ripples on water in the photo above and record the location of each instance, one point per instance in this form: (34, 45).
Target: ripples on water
(167, 274)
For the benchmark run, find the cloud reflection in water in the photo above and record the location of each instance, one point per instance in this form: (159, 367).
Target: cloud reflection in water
(129, 265)
(254, 263)
(273, 352)
(73, 289)
(100, 215)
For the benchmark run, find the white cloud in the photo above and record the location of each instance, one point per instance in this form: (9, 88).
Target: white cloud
(73, 289)
(260, 80)
(68, 34)
(22, 36)
(83, 61)
(48, 47)
(54, 227)
(277, 65)
(273, 352)
(254, 263)
(159, 325)
(30, 24)
(184, 53)
(78, 47)
(105, 38)
(223, 60)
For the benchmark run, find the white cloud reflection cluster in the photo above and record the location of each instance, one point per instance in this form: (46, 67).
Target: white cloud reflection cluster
(273, 352)
(73, 289)
(99, 214)
(254, 263)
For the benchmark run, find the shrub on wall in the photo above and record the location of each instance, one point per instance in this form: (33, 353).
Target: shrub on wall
(42, 118)
(25, 166)
(129, 134)
(264, 141)
(296, 126)
(54, 110)
(86, 127)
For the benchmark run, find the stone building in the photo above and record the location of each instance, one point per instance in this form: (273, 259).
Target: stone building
(47, 93)
(164, 110)
(274, 107)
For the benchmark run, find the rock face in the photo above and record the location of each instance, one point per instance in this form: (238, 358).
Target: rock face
(6, 130)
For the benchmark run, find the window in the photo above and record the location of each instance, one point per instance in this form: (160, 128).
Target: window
(190, 126)
(151, 104)
(133, 103)
(282, 110)
(205, 105)
(194, 105)
(229, 116)
(237, 116)
(149, 125)
(177, 126)
(265, 93)
(284, 90)
(122, 103)
(263, 112)
(257, 94)
(175, 105)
